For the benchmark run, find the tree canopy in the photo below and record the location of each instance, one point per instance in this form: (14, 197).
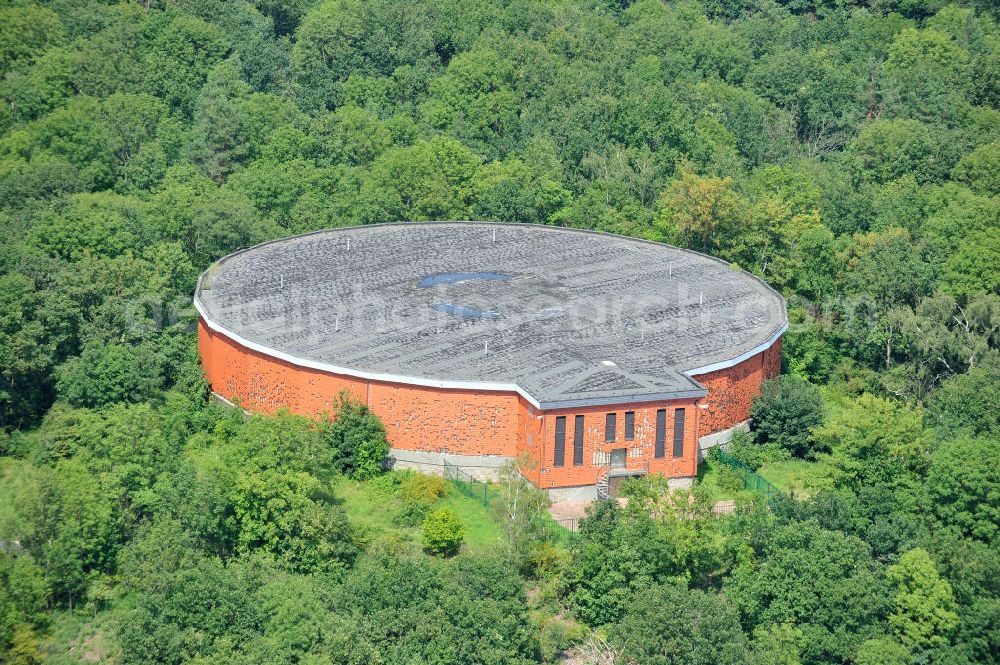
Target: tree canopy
(844, 151)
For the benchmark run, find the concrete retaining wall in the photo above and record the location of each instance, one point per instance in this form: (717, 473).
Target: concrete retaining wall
(579, 493)
(720, 438)
(480, 467)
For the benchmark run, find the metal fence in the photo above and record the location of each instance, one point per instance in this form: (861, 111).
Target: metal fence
(469, 486)
(752, 480)
(481, 491)
(571, 524)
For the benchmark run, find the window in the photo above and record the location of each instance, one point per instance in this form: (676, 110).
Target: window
(578, 441)
(609, 427)
(661, 433)
(560, 452)
(679, 433)
(629, 425)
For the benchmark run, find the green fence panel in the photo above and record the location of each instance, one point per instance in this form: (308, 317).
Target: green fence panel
(469, 486)
(752, 480)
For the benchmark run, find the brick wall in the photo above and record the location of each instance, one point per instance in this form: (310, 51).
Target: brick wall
(640, 451)
(468, 422)
(416, 418)
(731, 390)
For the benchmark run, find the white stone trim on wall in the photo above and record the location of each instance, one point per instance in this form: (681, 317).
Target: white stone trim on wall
(681, 483)
(487, 385)
(445, 384)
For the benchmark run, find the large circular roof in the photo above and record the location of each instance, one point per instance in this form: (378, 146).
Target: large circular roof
(565, 317)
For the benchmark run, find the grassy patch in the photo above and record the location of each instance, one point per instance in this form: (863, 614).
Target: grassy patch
(718, 481)
(482, 532)
(79, 638)
(798, 477)
(378, 514)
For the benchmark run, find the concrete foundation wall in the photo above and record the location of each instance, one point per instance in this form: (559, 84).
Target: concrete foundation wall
(680, 483)
(720, 438)
(480, 467)
(580, 493)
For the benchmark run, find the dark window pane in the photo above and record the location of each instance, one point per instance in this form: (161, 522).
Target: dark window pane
(609, 427)
(629, 425)
(679, 433)
(560, 452)
(578, 441)
(661, 433)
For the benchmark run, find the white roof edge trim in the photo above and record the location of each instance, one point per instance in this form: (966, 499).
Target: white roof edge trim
(724, 364)
(359, 374)
(624, 399)
(457, 385)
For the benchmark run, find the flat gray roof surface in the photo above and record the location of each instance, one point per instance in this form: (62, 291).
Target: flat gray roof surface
(571, 317)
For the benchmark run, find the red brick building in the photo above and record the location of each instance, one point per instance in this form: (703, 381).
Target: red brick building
(593, 354)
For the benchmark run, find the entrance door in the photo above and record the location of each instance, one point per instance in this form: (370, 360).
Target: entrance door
(615, 483)
(618, 458)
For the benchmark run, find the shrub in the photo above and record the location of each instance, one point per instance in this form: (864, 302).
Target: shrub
(557, 635)
(729, 481)
(672, 624)
(546, 560)
(755, 455)
(285, 516)
(386, 484)
(390, 543)
(785, 412)
(443, 533)
(416, 494)
(473, 610)
(357, 436)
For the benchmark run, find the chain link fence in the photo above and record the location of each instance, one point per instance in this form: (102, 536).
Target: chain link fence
(571, 524)
(482, 492)
(752, 480)
(469, 486)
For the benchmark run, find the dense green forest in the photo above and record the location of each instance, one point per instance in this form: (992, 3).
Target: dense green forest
(847, 151)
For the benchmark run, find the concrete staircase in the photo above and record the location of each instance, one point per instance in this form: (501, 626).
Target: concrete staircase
(603, 491)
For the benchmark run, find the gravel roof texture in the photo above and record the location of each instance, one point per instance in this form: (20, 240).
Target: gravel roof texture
(568, 317)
